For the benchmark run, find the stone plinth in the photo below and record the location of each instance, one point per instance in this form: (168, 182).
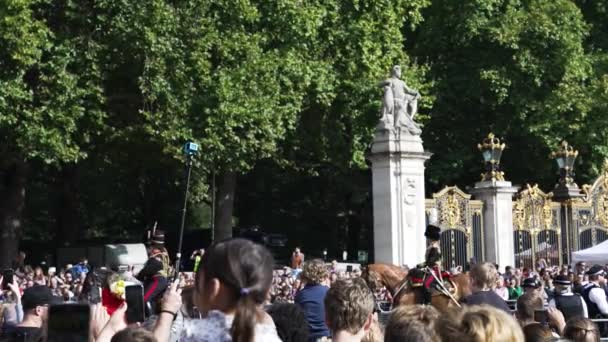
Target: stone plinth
(398, 194)
(497, 197)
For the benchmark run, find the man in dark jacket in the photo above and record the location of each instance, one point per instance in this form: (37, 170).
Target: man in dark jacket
(483, 277)
(594, 294)
(35, 301)
(311, 298)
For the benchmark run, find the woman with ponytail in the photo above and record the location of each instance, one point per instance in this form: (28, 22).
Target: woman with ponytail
(231, 285)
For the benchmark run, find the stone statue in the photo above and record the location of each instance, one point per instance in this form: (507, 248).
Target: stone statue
(400, 104)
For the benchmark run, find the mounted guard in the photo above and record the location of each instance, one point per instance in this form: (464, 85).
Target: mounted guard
(429, 274)
(157, 269)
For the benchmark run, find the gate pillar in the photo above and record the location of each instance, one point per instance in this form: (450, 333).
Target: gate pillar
(497, 199)
(398, 197)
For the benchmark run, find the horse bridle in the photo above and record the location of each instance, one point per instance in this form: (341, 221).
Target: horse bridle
(401, 287)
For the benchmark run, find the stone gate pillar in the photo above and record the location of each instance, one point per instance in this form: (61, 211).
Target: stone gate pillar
(398, 193)
(497, 197)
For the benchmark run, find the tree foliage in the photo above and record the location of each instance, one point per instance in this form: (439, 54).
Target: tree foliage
(97, 98)
(517, 68)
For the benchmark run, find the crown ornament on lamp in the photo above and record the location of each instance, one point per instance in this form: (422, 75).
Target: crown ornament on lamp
(565, 158)
(491, 150)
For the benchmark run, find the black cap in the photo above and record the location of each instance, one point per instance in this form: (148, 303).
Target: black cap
(531, 282)
(38, 295)
(562, 280)
(595, 270)
(432, 232)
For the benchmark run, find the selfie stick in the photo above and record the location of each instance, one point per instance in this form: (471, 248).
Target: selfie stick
(190, 149)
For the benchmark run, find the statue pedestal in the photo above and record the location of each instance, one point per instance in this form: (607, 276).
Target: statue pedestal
(398, 192)
(497, 197)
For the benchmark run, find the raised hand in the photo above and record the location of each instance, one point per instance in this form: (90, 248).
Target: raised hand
(172, 300)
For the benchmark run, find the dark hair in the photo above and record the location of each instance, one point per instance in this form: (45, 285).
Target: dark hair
(246, 268)
(537, 332)
(290, 322)
(133, 335)
(527, 304)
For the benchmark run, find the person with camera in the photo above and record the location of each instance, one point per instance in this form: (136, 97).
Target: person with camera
(231, 285)
(13, 309)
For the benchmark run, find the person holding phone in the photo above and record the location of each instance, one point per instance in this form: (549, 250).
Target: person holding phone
(13, 310)
(528, 307)
(35, 301)
(232, 283)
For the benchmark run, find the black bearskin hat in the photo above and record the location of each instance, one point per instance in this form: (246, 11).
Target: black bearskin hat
(432, 232)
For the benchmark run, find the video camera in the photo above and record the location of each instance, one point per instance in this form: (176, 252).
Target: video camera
(190, 148)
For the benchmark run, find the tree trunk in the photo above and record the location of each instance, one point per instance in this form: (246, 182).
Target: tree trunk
(11, 210)
(225, 205)
(67, 215)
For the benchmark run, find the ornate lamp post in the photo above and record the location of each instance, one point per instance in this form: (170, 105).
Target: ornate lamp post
(565, 157)
(491, 149)
(565, 192)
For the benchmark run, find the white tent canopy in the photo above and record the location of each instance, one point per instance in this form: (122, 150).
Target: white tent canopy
(597, 254)
(541, 248)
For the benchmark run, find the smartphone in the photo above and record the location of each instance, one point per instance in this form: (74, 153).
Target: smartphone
(135, 303)
(69, 323)
(7, 278)
(540, 316)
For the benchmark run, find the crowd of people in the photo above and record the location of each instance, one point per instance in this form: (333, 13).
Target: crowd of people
(286, 282)
(236, 294)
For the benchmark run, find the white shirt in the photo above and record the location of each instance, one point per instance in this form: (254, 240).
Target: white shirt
(502, 292)
(585, 312)
(216, 328)
(598, 296)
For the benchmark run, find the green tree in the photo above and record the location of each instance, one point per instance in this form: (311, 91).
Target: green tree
(227, 76)
(592, 141)
(43, 106)
(322, 171)
(517, 68)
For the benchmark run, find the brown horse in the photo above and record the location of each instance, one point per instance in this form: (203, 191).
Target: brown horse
(395, 279)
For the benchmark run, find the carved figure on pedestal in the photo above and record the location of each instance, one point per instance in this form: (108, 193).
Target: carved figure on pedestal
(409, 198)
(400, 104)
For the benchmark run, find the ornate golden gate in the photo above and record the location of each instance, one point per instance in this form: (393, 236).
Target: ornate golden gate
(536, 228)
(460, 220)
(590, 214)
